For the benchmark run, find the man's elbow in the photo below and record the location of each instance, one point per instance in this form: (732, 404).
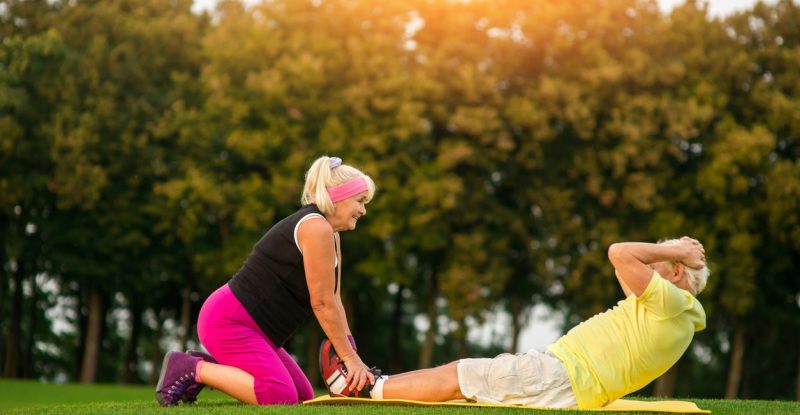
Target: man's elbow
(615, 252)
(620, 254)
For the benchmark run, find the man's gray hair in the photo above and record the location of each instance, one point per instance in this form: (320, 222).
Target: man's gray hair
(697, 277)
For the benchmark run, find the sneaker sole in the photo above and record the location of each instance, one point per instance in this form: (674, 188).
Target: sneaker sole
(325, 381)
(160, 384)
(205, 356)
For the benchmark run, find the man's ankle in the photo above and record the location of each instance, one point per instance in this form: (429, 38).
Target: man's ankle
(376, 392)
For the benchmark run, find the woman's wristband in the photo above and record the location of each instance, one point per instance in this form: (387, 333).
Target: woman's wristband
(352, 342)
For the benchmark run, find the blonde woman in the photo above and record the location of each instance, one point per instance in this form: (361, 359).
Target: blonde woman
(293, 272)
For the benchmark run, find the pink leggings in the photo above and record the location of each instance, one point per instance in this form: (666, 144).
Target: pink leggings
(229, 333)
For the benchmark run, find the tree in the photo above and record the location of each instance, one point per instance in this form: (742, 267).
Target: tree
(128, 57)
(144, 149)
(28, 70)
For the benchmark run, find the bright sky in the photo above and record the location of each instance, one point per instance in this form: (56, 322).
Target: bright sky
(716, 7)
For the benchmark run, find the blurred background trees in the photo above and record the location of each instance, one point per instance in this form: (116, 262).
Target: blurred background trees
(144, 148)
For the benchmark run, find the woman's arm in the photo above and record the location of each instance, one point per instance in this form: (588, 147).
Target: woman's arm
(339, 291)
(316, 240)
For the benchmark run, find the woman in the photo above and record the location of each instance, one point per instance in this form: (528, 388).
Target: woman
(292, 272)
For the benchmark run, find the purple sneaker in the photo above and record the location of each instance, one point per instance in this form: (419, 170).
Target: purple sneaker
(177, 374)
(190, 396)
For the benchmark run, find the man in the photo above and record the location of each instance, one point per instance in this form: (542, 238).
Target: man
(602, 359)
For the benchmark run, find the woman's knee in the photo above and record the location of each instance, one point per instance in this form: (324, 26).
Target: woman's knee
(304, 390)
(275, 393)
(305, 395)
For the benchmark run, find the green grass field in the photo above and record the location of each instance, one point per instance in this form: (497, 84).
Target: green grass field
(20, 397)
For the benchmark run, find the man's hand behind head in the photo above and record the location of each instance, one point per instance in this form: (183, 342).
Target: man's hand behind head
(694, 253)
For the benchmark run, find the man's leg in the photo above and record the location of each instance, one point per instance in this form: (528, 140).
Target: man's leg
(437, 384)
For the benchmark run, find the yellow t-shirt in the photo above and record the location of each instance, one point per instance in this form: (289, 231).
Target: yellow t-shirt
(623, 349)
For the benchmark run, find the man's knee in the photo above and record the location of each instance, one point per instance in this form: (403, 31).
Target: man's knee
(452, 385)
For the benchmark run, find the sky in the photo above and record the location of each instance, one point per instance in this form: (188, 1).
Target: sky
(717, 8)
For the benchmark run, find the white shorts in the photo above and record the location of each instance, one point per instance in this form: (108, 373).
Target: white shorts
(533, 379)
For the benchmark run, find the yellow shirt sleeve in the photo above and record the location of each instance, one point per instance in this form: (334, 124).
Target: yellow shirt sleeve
(665, 301)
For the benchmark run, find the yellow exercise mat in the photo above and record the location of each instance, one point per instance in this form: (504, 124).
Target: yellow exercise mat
(620, 405)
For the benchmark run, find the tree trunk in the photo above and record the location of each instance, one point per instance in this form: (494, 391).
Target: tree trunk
(131, 362)
(12, 364)
(426, 354)
(91, 350)
(30, 338)
(83, 323)
(735, 369)
(312, 351)
(515, 309)
(665, 384)
(186, 316)
(155, 354)
(461, 337)
(744, 383)
(396, 364)
(3, 284)
(798, 375)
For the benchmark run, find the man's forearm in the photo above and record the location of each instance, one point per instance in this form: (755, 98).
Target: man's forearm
(647, 253)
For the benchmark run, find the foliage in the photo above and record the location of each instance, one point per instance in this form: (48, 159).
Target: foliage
(144, 149)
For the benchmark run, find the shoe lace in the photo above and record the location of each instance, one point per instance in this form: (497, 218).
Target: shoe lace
(180, 386)
(192, 391)
(375, 372)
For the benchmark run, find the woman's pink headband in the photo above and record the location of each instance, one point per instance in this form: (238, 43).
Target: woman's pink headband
(348, 189)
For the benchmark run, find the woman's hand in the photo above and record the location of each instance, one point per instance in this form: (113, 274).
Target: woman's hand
(695, 256)
(358, 374)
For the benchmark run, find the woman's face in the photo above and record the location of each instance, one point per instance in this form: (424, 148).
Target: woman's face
(347, 212)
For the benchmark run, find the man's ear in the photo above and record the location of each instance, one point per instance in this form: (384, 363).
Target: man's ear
(678, 269)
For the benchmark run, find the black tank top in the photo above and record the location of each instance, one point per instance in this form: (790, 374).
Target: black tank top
(271, 285)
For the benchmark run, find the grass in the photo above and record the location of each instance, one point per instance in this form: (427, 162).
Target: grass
(26, 397)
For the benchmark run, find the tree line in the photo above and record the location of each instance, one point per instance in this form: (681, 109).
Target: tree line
(144, 148)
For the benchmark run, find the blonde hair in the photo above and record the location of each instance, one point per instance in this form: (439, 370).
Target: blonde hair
(327, 172)
(697, 277)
